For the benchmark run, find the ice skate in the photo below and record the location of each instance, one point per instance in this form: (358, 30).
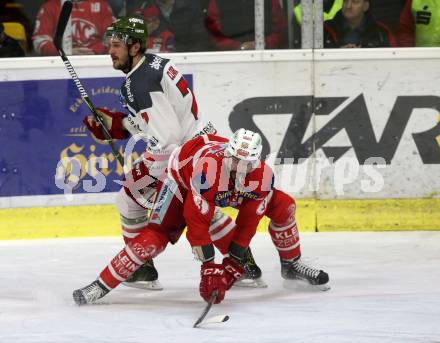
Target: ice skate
(89, 294)
(252, 277)
(146, 277)
(297, 270)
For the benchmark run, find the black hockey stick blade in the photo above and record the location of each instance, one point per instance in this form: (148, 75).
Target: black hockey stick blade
(62, 22)
(207, 308)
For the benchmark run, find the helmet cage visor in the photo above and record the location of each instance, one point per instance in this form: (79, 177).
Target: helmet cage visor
(119, 36)
(237, 164)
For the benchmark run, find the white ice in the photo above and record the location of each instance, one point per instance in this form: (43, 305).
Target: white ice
(385, 288)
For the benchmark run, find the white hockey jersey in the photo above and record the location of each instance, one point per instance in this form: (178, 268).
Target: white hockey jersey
(162, 109)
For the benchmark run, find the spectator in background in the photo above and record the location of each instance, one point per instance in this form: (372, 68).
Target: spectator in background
(419, 23)
(188, 21)
(14, 11)
(89, 18)
(160, 38)
(118, 7)
(354, 27)
(166, 7)
(329, 7)
(9, 47)
(387, 12)
(232, 24)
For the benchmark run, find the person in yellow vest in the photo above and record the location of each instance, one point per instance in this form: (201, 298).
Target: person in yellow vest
(330, 8)
(419, 23)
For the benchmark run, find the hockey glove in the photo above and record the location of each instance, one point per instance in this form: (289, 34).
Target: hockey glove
(233, 271)
(113, 122)
(212, 276)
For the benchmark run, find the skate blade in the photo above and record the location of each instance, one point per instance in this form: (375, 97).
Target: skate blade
(324, 288)
(147, 285)
(251, 283)
(303, 285)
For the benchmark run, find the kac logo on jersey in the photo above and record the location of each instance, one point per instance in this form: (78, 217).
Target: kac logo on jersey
(82, 31)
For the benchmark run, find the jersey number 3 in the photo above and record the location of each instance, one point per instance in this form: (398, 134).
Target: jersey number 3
(184, 89)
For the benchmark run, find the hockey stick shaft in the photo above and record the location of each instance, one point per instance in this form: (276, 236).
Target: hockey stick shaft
(207, 308)
(62, 22)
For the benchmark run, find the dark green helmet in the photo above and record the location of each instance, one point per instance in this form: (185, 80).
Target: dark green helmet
(127, 29)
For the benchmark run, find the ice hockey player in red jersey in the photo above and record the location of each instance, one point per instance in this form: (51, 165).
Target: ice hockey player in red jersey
(163, 113)
(206, 172)
(84, 35)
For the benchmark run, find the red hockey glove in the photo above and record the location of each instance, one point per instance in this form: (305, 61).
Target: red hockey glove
(113, 122)
(212, 276)
(233, 271)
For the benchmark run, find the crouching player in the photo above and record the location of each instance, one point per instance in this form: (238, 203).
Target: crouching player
(206, 172)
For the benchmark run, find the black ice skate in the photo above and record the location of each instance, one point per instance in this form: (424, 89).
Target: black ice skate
(89, 294)
(252, 276)
(146, 277)
(297, 270)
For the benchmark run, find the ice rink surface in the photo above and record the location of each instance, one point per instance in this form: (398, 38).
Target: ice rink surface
(385, 288)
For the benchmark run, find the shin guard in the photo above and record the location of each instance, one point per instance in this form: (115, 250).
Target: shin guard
(286, 239)
(145, 246)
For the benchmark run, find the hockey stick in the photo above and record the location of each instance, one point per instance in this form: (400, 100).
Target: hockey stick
(62, 22)
(216, 319)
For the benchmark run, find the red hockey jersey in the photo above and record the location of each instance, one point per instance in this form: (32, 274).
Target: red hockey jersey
(200, 169)
(89, 21)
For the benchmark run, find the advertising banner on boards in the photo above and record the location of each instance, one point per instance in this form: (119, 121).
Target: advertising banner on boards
(331, 128)
(41, 123)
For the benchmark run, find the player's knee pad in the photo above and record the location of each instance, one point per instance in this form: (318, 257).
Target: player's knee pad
(285, 237)
(133, 217)
(281, 208)
(147, 245)
(127, 206)
(221, 230)
(132, 227)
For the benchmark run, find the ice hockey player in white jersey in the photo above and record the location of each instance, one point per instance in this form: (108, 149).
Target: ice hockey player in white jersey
(163, 112)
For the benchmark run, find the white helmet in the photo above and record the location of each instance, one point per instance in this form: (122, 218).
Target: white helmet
(245, 145)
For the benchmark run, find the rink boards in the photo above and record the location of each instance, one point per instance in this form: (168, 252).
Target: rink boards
(312, 215)
(354, 135)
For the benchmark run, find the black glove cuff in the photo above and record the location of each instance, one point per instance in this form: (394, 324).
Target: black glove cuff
(204, 253)
(237, 251)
